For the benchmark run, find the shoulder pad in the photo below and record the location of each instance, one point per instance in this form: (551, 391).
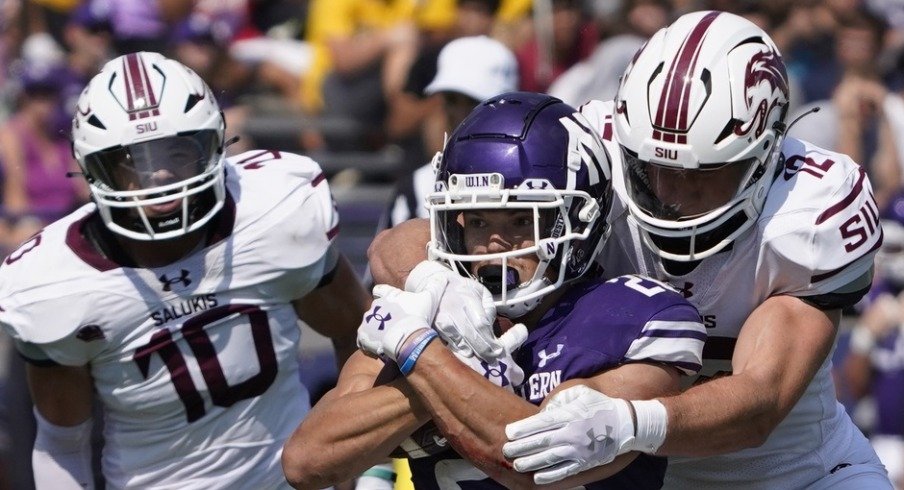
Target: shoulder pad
(820, 223)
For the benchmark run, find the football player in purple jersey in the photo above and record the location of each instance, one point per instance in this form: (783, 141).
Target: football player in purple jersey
(769, 237)
(523, 186)
(174, 298)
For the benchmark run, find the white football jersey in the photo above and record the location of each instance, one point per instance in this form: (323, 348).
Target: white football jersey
(195, 362)
(817, 235)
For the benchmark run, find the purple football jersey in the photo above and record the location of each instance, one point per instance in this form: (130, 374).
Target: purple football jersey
(594, 327)
(887, 361)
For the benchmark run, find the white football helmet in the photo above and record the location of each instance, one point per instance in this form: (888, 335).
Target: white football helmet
(148, 136)
(700, 116)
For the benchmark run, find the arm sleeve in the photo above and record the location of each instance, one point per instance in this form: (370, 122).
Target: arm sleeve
(61, 458)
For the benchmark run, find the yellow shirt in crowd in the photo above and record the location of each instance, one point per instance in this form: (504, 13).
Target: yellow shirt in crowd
(345, 18)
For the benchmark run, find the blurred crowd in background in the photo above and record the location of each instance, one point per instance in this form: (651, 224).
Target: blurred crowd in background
(346, 82)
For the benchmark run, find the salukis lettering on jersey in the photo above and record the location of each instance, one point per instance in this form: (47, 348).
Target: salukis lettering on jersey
(183, 308)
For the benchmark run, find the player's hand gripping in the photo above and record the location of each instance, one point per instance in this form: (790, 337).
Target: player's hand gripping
(581, 428)
(388, 328)
(501, 370)
(466, 311)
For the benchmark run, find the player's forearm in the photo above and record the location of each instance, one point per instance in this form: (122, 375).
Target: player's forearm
(469, 410)
(344, 435)
(747, 412)
(394, 252)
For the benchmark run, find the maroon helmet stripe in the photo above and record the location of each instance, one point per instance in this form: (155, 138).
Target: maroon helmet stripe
(152, 98)
(134, 81)
(130, 105)
(138, 86)
(667, 86)
(673, 103)
(684, 101)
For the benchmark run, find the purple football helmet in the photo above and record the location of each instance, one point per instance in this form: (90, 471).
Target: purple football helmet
(890, 258)
(527, 152)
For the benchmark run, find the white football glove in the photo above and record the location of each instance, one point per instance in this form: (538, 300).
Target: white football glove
(581, 428)
(466, 311)
(502, 371)
(394, 315)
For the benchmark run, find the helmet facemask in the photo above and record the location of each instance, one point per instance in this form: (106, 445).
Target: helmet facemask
(161, 188)
(691, 214)
(553, 231)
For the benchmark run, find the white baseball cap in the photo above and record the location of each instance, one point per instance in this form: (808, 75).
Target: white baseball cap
(478, 66)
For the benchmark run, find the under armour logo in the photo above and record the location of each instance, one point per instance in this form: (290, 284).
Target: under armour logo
(605, 439)
(686, 289)
(182, 279)
(495, 372)
(544, 357)
(380, 318)
(536, 184)
(440, 441)
(89, 333)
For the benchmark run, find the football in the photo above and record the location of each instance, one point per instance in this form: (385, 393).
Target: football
(423, 442)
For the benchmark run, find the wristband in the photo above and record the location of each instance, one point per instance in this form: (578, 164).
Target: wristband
(383, 472)
(419, 345)
(650, 429)
(410, 342)
(862, 340)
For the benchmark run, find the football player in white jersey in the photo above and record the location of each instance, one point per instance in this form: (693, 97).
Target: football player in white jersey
(768, 237)
(174, 297)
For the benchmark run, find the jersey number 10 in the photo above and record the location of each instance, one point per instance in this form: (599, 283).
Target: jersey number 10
(221, 393)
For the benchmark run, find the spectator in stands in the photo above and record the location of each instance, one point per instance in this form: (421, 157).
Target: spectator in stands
(470, 69)
(875, 363)
(597, 77)
(416, 120)
(136, 25)
(362, 48)
(271, 40)
(35, 156)
(862, 117)
(201, 42)
(561, 38)
(863, 129)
